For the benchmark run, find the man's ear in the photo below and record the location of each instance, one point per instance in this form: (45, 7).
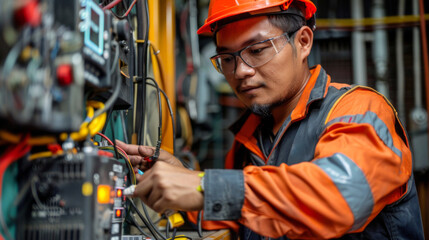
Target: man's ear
(304, 42)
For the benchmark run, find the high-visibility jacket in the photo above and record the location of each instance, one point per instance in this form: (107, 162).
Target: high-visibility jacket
(340, 166)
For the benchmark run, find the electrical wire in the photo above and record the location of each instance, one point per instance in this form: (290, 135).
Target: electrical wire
(199, 224)
(11, 154)
(152, 231)
(109, 103)
(115, 3)
(170, 109)
(140, 93)
(137, 226)
(124, 128)
(127, 160)
(34, 141)
(116, 59)
(151, 223)
(91, 125)
(112, 4)
(159, 141)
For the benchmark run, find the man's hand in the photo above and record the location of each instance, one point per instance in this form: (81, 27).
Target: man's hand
(138, 154)
(167, 186)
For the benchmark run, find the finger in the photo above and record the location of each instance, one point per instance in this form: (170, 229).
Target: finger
(130, 149)
(136, 160)
(146, 151)
(159, 206)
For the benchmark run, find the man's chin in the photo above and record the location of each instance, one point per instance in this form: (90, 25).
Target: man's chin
(262, 110)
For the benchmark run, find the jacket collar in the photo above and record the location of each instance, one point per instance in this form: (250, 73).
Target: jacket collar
(316, 89)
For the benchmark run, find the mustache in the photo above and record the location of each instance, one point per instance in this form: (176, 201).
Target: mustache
(247, 86)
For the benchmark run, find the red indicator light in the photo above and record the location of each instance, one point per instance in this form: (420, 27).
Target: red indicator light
(119, 193)
(118, 213)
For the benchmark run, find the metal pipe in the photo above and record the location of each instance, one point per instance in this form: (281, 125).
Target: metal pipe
(425, 51)
(379, 50)
(358, 46)
(417, 61)
(400, 65)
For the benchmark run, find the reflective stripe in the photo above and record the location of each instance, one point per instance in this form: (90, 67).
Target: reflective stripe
(378, 124)
(352, 184)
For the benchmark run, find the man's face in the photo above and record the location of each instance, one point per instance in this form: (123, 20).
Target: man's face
(266, 86)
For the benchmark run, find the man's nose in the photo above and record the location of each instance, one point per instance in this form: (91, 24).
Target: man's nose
(242, 69)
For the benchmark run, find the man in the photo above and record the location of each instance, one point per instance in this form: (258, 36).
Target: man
(312, 159)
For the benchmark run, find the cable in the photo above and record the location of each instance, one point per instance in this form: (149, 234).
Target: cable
(169, 109)
(116, 59)
(91, 125)
(11, 154)
(143, 219)
(159, 141)
(34, 193)
(127, 160)
(142, 33)
(34, 141)
(111, 143)
(150, 221)
(124, 128)
(109, 103)
(199, 221)
(112, 4)
(114, 139)
(137, 226)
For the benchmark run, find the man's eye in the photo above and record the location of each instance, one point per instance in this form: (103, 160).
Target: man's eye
(257, 50)
(226, 59)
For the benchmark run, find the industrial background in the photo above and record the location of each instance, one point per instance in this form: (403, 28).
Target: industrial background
(62, 60)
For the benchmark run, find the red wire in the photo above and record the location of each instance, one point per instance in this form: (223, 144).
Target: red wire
(116, 2)
(129, 9)
(12, 154)
(111, 143)
(112, 4)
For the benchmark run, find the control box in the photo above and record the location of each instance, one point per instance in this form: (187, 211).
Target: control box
(75, 196)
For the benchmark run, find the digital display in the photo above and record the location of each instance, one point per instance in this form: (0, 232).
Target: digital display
(94, 28)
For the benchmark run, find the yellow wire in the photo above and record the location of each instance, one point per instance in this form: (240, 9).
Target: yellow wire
(35, 141)
(179, 237)
(95, 125)
(43, 155)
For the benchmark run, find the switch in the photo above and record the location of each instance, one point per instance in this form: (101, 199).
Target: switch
(65, 74)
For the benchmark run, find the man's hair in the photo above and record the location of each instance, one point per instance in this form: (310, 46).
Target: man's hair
(289, 22)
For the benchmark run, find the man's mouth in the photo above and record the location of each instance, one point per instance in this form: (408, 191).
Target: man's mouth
(248, 89)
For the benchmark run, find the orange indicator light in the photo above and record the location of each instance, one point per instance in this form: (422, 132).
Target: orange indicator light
(103, 194)
(118, 213)
(119, 192)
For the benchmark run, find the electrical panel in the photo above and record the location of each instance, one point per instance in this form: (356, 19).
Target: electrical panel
(75, 196)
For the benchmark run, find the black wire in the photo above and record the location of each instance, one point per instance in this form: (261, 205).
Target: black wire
(167, 228)
(111, 101)
(151, 223)
(172, 120)
(143, 219)
(174, 233)
(159, 141)
(199, 221)
(114, 138)
(142, 57)
(170, 109)
(134, 222)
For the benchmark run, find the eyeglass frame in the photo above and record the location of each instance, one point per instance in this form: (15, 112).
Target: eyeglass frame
(238, 53)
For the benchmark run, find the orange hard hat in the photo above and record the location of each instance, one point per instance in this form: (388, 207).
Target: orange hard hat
(220, 10)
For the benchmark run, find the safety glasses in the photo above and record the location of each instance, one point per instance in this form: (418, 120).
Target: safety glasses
(254, 55)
